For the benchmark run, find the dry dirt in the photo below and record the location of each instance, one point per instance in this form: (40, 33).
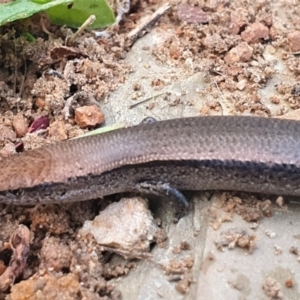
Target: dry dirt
(50, 92)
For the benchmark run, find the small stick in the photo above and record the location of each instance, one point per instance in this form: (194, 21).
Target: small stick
(44, 27)
(90, 20)
(147, 22)
(145, 100)
(221, 94)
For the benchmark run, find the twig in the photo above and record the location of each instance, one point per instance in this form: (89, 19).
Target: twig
(221, 94)
(145, 100)
(44, 27)
(90, 20)
(16, 65)
(146, 23)
(24, 78)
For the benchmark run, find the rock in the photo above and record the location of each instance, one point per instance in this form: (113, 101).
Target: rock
(241, 84)
(20, 125)
(126, 226)
(240, 53)
(47, 287)
(88, 116)
(255, 32)
(294, 41)
(192, 14)
(7, 134)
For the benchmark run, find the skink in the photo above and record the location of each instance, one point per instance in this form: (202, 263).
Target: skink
(249, 154)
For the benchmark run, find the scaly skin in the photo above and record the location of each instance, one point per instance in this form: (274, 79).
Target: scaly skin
(203, 153)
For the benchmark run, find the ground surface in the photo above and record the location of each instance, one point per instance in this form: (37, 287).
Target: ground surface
(201, 58)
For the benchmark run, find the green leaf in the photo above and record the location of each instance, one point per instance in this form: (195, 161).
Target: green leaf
(77, 14)
(20, 9)
(101, 130)
(29, 37)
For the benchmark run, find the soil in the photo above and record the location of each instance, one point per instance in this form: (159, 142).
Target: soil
(51, 91)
